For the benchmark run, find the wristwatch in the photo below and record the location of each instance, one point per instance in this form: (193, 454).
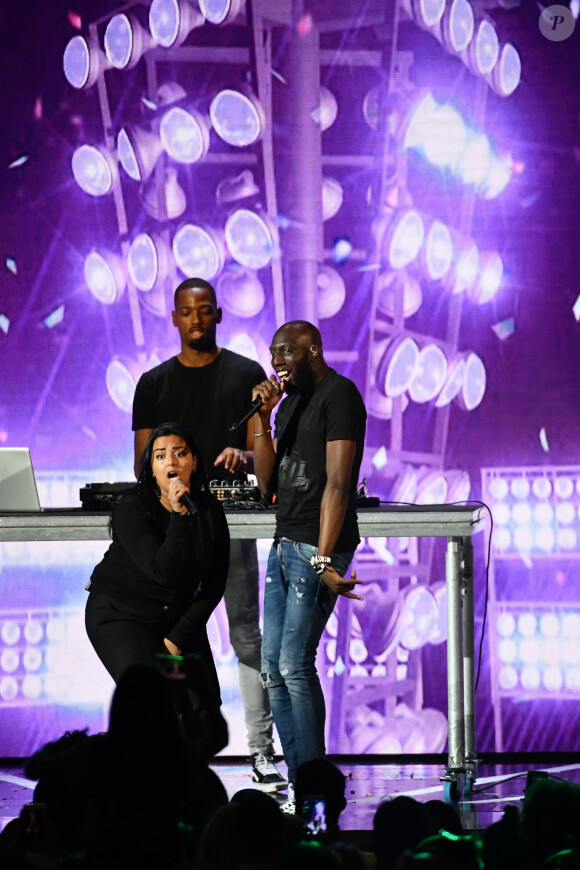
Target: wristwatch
(320, 563)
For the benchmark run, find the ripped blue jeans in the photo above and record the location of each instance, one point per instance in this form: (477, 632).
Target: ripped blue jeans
(297, 605)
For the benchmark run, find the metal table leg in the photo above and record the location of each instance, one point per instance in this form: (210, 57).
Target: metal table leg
(462, 761)
(453, 780)
(469, 664)
(455, 654)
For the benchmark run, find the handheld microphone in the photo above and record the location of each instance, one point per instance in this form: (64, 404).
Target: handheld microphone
(187, 502)
(255, 406)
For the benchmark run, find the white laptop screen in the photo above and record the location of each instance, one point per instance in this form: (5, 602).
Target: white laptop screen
(18, 493)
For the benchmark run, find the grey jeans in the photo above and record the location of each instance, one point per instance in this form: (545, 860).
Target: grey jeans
(243, 612)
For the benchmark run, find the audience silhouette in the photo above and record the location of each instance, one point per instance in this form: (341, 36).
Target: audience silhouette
(399, 825)
(550, 822)
(142, 796)
(320, 777)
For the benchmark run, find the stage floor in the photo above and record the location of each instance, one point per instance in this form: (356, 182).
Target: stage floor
(497, 785)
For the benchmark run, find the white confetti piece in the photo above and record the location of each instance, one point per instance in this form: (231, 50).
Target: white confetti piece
(278, 76)
(504, 328)
(55, 318)
(380, 458)
(19, 161)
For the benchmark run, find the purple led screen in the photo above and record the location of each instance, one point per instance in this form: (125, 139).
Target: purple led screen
(425, 220)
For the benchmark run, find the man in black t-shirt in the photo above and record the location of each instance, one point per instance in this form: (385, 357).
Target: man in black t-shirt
(207, 388)
(312, 463)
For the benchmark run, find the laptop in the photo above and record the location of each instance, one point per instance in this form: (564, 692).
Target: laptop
(18, 492)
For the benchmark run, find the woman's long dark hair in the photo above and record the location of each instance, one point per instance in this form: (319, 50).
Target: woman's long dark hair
(147, 487)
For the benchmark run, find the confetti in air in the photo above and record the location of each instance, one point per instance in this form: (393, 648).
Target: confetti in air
(11, 265)
(576, 308)
(544, 440)
(341, 250)
(379, 460)
(4, 324)
(530, 199)
(304, 25)
(75, 19)
(392, 198)
(504, 328)
(20, 161)
(284, 222)
(55, 318)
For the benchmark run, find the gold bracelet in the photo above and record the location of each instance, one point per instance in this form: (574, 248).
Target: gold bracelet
(259, 434)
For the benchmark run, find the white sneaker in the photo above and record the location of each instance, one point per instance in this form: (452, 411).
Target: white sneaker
(265, 774)
(289, 807)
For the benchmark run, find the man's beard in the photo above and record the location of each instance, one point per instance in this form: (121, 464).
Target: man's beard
(205, 343)
(301, 380)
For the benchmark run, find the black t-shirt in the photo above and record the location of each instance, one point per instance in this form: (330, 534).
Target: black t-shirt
(333, 411)
(206, 400)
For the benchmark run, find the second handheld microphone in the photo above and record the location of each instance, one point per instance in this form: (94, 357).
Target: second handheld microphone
(255, 406)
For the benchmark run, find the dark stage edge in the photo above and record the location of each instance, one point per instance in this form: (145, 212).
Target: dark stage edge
(501, 780)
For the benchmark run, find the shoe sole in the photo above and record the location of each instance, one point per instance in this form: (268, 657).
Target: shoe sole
(270, 786)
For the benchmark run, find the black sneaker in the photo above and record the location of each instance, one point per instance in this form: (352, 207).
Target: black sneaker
(265, 775)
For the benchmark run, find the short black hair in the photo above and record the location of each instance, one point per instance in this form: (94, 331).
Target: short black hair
(192, 284)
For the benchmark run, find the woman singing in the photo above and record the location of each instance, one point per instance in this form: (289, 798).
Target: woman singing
(166, 568)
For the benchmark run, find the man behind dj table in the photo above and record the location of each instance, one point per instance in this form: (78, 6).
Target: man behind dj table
(207, 389)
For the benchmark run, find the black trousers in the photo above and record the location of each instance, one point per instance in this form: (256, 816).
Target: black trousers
(122, 636)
